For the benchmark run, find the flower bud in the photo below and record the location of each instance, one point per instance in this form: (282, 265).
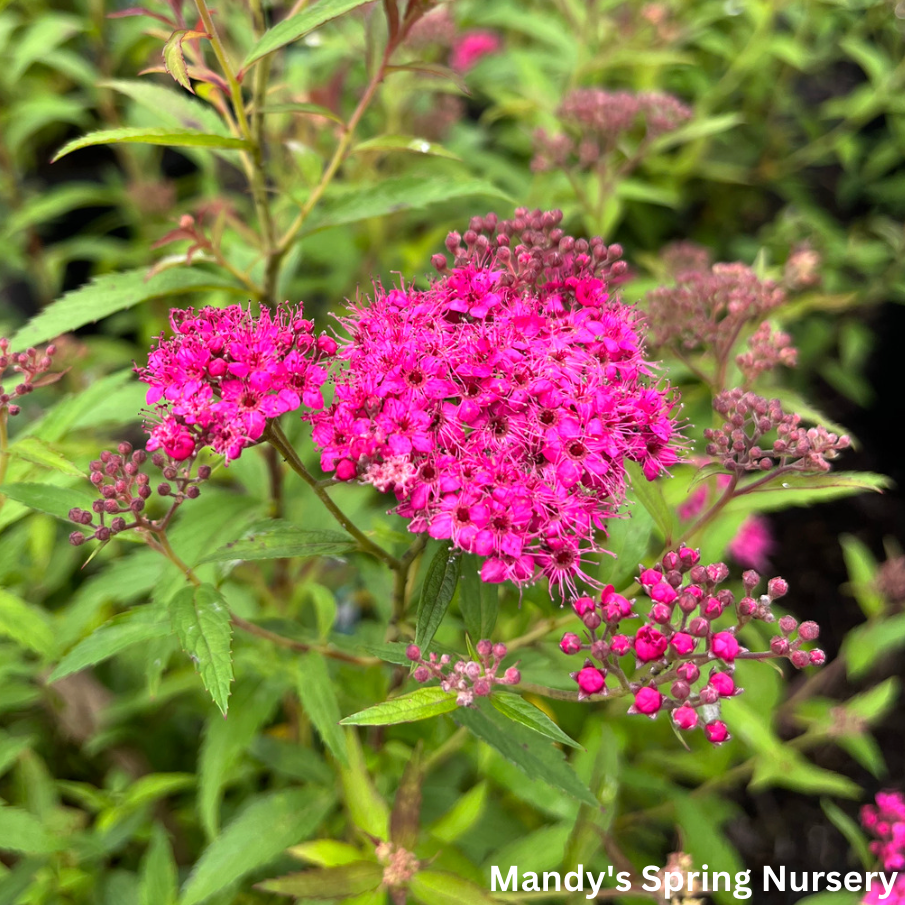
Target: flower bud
(75, 515)
(817, 658)
(570, 643)
(688, 557)
(699, 627)
(725, 646)
(709, 695)
(583, 605)
(192, 492)
(698, 575)
(346, 470)
(590, 679)
(102, 533)
(413, 652)
(499, 651)
(660, 613)
(723, 684)
(164, 489)
(482, 688)
(671, 561)
(717, 732)
(484, 647)
(77, 538)
(682, 643)
(717, 572)
(685, 717)
(777, 587)
(647, 701)
(680, 690)
(800, 658)
(600, 650)
(204, 472)
(512, 676)
(620, 645)
(650, 577)
(662, 592)
(421, 674)
(118, 524)
(747, 606)
(472, 670)
(788, 624)
(591, 620)
(809, 631)
(688, 603)
(689, 672)
(327, 344)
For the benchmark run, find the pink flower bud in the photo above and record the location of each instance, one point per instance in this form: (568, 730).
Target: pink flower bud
(709, 695)
(777, 587)
(724, 645)
(592, 620)
(660, 613)
(698, 574)
(685, 717)
(413, 652)
(512, 676)
(647, 701)
(800, 658)
(682, 643)
(688, 557)
(600, 650)
(650, 644)
(699, 627)
(689, 672)
(583, 605)
(484, 647)
(809, 631)
(788, 624)
(590, 679)
(747, 606)
(482, 688)
(421, 674)
(570, 643)
(327, 345)
(712, 608)
(717, 732)
(680, 690)
(671, 561)
(346, 470)
(817, 658)
(723, 684)
(779, 646)
(717, 572)
(472, 670)
(688, 603)
(76, 538)
(650, 577)
(620, 645)
(662, 592)
(750, 580)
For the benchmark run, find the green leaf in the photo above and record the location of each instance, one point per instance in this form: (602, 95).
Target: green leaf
(367, 809)
(850, 830)
(434, 887)
(171, 138)
(463, 815)
(862, 570)
(627, 542)
(200, 618)
(516, 708)
(536, 757)
(436, 70)
(114, 292)
(298, 26)
(27, 625)
(21, 831)
(170, 106)
(38, 452)
(699, 128)
(398, 194)
(866, 644)
(261, 832)
(157, 876)
(409, 143)
(420, 704)
(174, 58)
(478, 600)
(276, 539)
(136, 626)
(317, 693)
(47, 498)
(307, 109)
(328, 882)
(805, 490)
(650, 495)
(872, 705)
(436, 594)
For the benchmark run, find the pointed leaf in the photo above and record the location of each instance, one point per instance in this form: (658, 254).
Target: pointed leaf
(434, 887)
(436, 594)
(367, 809)
(174, 58)
(536, 757)
(478, 600)
(276, 539)
(318, 696)
(260, 833)
(420, 704)
(27, 625)
(650, 495)
(328, 882)
(307, 109)
(39, 452)
(298, 26)
(21, 831)
(172, 138)
(158, 880)
(403, 143)
(516, 708)
(46, 498)
(110, 293)
(200, 618)
(437, 70)
(171, 107)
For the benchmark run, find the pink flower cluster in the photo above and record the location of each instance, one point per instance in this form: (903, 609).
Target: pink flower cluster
(886, 821)
(467, 679)
(500, 404)
(28, 366)
(679, 639)
(224, 372)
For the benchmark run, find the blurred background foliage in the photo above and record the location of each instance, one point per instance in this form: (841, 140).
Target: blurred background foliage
(118, 779)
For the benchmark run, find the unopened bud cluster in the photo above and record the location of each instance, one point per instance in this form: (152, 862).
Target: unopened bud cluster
(27, 366)
(124, 490)
(767, 349)
(744, 444)
(467, 679)
(680, 639)
(399, 864)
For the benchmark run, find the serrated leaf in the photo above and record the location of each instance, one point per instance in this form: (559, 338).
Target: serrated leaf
(46, 498)
(21, 831)
(276, 539)
(298, 26)
(170, 106)
(200, 618)
(260, 833)
(806, 490)
(650, 495)
(136, 626)
(434, 887)
(478, 600)
(326, 852)
(408, 143)
(27, 625)
(318, 696)
(536, 757)
(114, 292)
(398, 194)
(514, 707)
(157, 875)
(174, 58)
(171, 138)
(38, 452)
(420, 704)
(328, 882)
(436, 594)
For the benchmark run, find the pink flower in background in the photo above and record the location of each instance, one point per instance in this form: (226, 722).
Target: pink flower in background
(886, 821)
(471, 47)
(752, 545)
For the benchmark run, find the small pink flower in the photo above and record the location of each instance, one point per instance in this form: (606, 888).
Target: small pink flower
(471, 47)
(583, 605)
(649, 643)
(724, 645)
(590, 679)
(647, 701)
(682, 643)
(717, 732)
(685, 717)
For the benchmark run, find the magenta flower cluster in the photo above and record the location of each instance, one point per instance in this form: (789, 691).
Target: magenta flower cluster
(224, 372)
(679, 639)
(501, 404)
(466, 679)
(885, 820)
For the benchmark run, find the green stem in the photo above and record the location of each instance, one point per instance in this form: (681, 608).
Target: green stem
(275, 436)
(4, 448)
